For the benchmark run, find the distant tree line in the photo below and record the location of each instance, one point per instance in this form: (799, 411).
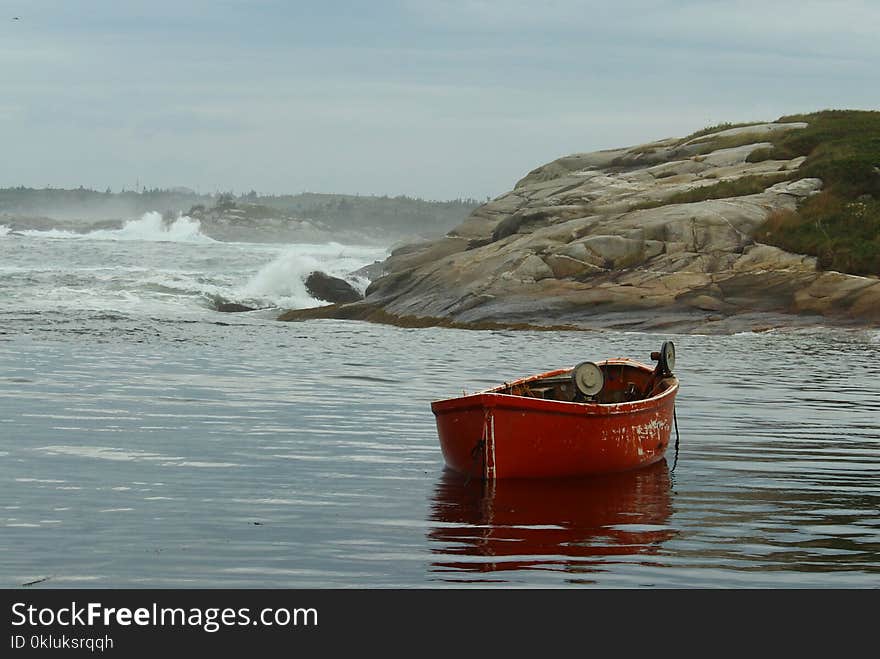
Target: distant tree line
(338, 211)
(351, 211)
(86, 203)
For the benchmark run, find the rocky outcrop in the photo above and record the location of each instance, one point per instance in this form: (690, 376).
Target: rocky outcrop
(370, 271)
(593, 240)
(322, 286)
(233, 307)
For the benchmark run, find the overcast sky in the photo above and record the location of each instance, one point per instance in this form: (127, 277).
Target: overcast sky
(432, 98)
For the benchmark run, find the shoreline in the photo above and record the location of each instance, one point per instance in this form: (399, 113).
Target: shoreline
(618, 321)
(679, 235)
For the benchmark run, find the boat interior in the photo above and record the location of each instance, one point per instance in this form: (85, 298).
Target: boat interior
(605, 383)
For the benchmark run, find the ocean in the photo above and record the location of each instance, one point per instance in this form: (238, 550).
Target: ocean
(147, 440)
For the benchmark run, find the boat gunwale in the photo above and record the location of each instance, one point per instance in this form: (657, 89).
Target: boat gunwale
(491, 398)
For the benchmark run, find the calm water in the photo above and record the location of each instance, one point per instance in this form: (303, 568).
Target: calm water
(149, 441)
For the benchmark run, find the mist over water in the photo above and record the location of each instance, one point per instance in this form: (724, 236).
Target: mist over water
(147, 440)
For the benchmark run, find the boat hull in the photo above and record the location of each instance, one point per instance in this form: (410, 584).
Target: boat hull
(491, 435)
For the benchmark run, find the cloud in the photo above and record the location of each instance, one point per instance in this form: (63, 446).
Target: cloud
(11, 112)
(188, 122)
(432, 97)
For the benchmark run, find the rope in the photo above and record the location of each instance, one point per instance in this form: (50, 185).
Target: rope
(675, 420)
(477, 451)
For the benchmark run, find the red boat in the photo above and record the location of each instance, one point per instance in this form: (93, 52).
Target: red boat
(595, 418)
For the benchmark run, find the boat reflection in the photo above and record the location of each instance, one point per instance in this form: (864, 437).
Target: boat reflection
(548, 524)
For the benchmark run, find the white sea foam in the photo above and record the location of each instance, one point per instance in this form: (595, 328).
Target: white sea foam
(4, 230)
(150, 227)
(150, 267)
(281, 282)
(50, 233)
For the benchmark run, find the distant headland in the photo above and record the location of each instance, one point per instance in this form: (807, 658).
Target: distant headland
(303, 217)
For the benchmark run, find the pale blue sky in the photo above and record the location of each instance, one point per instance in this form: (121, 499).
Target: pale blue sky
(438, 99)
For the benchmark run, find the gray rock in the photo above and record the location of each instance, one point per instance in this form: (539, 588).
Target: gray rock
(322, 286)
(533, 267)
(565, 266)
(587, 240)
(615, 251)
(233, 307)
(371, 271)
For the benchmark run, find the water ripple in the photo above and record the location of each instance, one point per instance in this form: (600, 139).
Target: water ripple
(263, 454)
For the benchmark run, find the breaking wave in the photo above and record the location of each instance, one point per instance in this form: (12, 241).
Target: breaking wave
(4, 230)
(150, 227)
(282, 281)
(165, 269)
